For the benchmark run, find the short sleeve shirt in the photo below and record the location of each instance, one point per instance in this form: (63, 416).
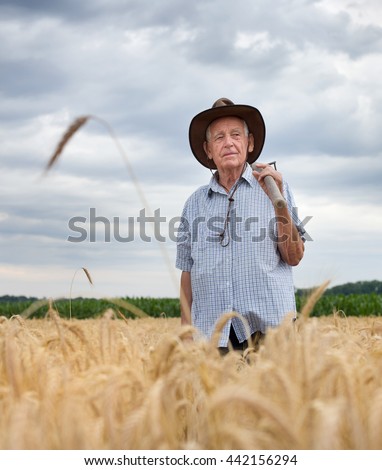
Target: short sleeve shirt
(241, 272)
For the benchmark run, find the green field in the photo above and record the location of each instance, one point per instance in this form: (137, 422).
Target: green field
(355, 305)
(82, 308)
(349, 305)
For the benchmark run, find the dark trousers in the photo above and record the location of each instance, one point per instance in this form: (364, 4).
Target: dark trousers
(256, 339)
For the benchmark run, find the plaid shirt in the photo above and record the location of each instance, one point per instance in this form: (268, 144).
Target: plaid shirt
(243, 272)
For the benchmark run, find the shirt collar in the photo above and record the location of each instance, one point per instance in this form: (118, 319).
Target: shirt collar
(215, 187)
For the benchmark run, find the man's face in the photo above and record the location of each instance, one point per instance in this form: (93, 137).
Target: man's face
(228, 144)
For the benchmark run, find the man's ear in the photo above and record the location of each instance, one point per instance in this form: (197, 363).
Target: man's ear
(251, 142)
(205, 147)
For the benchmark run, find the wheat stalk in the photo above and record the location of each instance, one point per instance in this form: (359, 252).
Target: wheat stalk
(129, 307)
(71, 287)
(220, 324)
(33, 308)
(72, 129)
(313, 299)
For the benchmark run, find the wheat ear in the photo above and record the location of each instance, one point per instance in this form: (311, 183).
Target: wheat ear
(72, 129)
(313, 299)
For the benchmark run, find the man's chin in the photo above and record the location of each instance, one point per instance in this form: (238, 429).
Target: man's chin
(230, 163)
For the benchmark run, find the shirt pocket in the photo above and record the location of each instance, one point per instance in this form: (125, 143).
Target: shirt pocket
(205, 249)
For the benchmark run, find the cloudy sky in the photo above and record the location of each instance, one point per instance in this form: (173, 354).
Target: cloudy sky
(143, 69)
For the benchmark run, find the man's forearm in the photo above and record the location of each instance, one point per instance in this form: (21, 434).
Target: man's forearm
(185, 298)
(289, 242)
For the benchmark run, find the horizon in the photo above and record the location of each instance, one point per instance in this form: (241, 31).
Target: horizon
(310, 67)
(312, 288)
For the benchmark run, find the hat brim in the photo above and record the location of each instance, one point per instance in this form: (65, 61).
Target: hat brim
(200, 123)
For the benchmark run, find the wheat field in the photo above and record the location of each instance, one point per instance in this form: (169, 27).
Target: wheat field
(112, 383)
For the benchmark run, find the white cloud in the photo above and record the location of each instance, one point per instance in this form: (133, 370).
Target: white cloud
(360, 12)
(147, 69)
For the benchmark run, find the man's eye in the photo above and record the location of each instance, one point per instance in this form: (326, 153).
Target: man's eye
(218, 138)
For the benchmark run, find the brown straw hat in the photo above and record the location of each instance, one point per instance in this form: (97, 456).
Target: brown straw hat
(221, 108)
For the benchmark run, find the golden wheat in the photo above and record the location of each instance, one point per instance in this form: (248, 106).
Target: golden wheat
(118, 383)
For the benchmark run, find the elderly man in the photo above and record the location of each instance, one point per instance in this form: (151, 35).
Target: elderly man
(234, 248)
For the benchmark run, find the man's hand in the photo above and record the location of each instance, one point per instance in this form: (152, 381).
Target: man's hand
(289, 242)
(267, 170)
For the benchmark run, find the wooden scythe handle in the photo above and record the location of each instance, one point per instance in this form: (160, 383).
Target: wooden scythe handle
(275, 195)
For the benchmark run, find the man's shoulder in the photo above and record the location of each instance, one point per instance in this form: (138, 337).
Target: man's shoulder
(198, 194)
(195, 201)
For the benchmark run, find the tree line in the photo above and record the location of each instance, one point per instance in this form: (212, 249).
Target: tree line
(360, 287)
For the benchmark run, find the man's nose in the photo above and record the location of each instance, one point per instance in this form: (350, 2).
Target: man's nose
(228, 141)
